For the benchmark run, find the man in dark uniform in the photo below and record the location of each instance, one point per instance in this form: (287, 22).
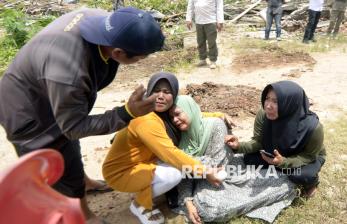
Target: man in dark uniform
(47, 92)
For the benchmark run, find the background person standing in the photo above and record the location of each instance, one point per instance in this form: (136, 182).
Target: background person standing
(274, 11)
(209, 17)
(337, 15)
(314, 10)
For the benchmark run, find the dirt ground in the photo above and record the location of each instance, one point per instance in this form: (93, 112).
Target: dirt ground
(234, 87)
(130, 75)
(270, 57)
(216, 97)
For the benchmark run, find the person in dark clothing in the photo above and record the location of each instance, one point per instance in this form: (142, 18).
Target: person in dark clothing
(49, 89)
(286, 128)
(274, 11)
(314, 11)
(337, 15)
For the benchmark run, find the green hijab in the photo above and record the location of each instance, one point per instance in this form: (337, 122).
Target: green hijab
(194, 141)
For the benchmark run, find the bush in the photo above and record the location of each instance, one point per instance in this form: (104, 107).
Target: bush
(165, 7)
(19, 28)
(15, 26)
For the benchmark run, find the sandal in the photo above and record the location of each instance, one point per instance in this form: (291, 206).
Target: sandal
(102, 189)
(145, 215)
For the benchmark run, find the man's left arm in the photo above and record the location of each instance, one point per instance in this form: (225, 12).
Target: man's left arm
(71, 111)
(220, 14)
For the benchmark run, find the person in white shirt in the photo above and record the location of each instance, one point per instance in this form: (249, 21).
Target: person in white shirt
(208, 16)
(314, 11)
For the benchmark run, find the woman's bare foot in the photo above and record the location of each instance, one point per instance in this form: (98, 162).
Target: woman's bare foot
(95, 185)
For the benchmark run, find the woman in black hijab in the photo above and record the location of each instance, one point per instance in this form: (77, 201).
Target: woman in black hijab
(289, 132)
(171, 130)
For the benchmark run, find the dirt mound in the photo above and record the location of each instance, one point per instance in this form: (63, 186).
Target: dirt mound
(270, 57)
(233, 100)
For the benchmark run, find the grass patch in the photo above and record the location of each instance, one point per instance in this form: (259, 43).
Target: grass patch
(249, 45)
(182, 60)
(18, 28)
(324, 44)
(166, 7)
(7, 53)
(103, 4)
(259, 55)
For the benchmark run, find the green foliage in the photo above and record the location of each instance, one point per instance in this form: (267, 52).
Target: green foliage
(14, 36)
(165, 7)
(294, 44)
(35, 25)
(181, 60)
(14, 23)
(7, 52)
(103, 4)
(18, 29)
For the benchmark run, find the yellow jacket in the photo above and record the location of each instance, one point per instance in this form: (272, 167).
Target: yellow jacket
(129, 165)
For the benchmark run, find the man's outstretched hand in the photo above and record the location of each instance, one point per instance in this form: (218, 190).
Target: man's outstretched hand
(138, 104)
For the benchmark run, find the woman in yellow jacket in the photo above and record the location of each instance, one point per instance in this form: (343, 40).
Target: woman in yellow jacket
(144, 157)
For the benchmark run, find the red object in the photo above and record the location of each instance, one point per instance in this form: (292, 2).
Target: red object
(25, 194)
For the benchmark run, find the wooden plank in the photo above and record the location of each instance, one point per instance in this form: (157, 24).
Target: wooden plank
(244, 12)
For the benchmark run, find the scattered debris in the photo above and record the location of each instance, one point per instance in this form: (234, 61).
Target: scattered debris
(294, 17)
(42, 7)
(244, 12)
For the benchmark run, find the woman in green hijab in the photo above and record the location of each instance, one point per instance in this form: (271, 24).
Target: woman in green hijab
(197, 130)
(202, 138)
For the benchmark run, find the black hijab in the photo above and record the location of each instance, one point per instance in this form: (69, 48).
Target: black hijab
(171, 130)
(295, 124)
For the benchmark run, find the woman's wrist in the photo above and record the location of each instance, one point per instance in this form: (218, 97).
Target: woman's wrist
(188, 201)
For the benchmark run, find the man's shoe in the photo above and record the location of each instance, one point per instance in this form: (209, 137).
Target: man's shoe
(201, 63)
(305, 41)
(278, 38)
(213, 65)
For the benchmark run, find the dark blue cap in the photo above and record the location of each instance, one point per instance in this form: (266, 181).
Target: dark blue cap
(133, 30)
